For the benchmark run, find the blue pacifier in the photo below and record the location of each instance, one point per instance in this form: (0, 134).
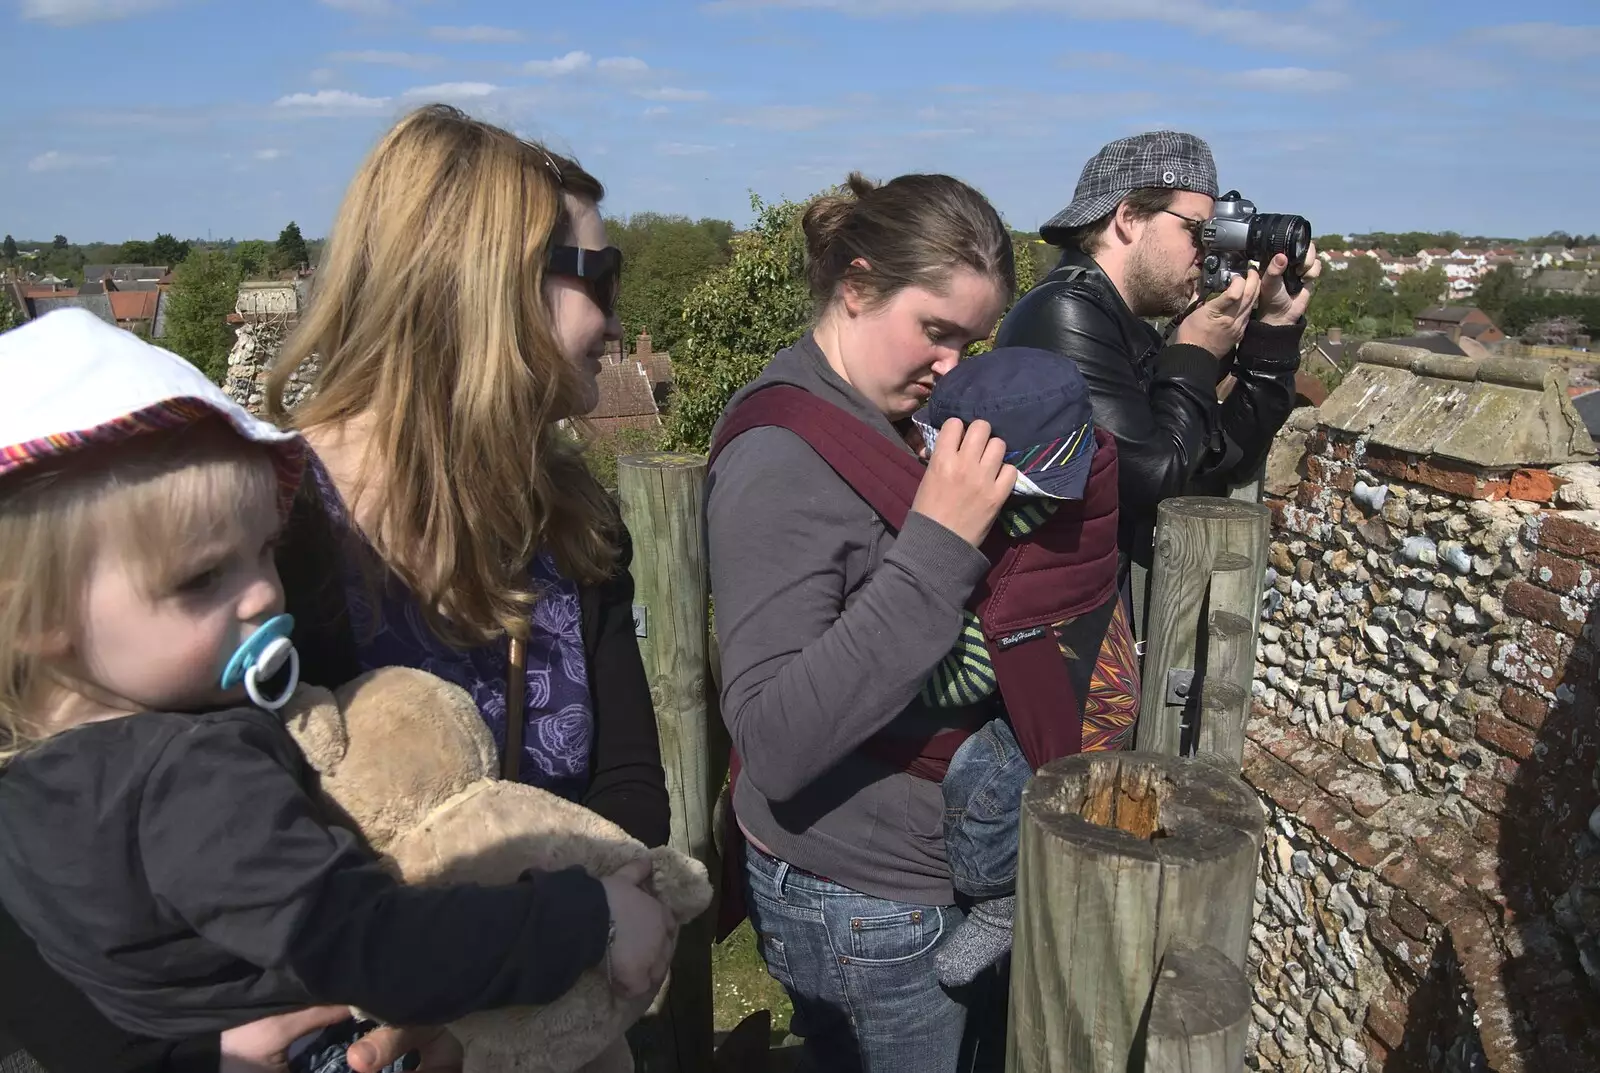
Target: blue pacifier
(263, 655)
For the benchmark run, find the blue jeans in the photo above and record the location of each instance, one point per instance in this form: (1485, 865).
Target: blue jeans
(983, 810)
(861, 975)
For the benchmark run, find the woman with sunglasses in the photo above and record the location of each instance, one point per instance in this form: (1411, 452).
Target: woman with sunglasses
(447, 522)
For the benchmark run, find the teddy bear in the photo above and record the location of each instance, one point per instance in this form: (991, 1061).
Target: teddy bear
(406, 760)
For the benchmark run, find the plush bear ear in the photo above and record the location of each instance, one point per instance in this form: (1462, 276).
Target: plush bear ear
(317, 726)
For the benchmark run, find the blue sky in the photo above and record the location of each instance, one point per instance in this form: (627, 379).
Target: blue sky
(128, 117)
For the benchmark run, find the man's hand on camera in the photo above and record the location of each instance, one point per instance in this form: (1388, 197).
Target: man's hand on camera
(1276, 306)
(1219, 324)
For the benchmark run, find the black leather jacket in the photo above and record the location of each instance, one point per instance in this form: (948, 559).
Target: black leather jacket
(1160, 401)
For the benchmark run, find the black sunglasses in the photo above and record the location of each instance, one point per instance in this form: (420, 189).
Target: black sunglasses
(600, 270)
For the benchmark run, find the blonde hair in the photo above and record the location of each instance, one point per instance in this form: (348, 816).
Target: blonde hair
(429, 319)
(151, 500)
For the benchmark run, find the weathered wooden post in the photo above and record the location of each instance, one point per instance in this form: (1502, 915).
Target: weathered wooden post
(661, 505)
(1125, 859)
(1205, 609)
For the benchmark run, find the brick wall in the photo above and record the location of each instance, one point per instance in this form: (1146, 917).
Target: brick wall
(1424, 734)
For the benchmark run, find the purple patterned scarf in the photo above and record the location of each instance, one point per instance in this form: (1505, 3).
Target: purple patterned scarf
(558, 720)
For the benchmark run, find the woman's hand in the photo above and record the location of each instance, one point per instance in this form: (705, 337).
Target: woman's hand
(262, 1046)
(438, 1048)
(967, 480)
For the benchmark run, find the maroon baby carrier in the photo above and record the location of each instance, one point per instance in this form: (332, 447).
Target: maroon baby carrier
(1053, 622)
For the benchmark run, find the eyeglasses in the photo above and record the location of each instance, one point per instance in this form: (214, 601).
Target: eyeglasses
(1194, 227)
(600, 271)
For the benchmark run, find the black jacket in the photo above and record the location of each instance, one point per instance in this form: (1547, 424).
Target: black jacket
(1160, 401)
(45, 1015)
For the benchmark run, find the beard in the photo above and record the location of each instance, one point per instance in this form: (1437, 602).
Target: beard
(1155, 287)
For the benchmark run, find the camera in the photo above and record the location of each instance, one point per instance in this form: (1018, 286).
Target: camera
(1237, 234)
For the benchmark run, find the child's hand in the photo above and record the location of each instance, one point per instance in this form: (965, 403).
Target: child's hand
(641, 950)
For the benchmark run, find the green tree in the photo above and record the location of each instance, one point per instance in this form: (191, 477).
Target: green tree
(291, 249)
(10, 248)
(253, 256)
(1331, 242)
(1497, 289)
(60, 242)
(136, 252)
(738, 317)
(1415, 292)
(9, 316)
(664, 258)
(166, 250)
(205, 290)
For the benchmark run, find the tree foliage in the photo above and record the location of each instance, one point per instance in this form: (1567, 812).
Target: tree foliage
(1022, 252)
(205, 289)
(161, 250)
(253, 256)
(1525, 310)
(1357, 300)
(737, 318)
(10, 248)
(291, 251)
(664, 258)
(1331, 242)
(10, 317)
(59, 242)
(1496, 289)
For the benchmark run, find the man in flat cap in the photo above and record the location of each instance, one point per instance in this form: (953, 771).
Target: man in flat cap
(1194, 414)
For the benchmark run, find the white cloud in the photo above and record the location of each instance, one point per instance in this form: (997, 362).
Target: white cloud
(783, 117)
(76, 12)
(268, 154)
(331, 102)
(623, 65)
(672, 93)
(413, 60)
(451, 91)
(1289, 80)
(1320, 24)
(55, 160)
(475, 35)
(571, 63)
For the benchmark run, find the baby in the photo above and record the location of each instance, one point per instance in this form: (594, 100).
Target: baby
(161, 837)
(1038, 404)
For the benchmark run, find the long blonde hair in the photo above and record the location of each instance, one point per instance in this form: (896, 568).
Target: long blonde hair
(149, 500)
(429, 319)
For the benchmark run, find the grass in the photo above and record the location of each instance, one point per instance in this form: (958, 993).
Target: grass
(741, 985)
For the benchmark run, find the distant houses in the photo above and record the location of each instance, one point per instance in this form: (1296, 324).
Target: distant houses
(1458, 321)
(129, 296)
(634, 389)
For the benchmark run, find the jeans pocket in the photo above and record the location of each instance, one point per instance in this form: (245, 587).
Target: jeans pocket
(775, 957)
(895, 937)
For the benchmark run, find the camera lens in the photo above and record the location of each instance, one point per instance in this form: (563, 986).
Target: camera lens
(1279, 232)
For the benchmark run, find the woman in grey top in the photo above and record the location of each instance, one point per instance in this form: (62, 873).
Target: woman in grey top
(830, 623)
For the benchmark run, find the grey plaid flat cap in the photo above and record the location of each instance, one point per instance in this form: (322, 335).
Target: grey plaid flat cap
(1158, 158)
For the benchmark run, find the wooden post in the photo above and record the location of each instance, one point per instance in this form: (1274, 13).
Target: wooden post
(661, 505)
(1199, 1015)
(1210, 557)
(1121, 855)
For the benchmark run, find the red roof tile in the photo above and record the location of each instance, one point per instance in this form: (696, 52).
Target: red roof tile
(134, 305)
(624, 391)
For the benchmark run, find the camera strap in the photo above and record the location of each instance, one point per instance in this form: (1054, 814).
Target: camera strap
(1172, 325)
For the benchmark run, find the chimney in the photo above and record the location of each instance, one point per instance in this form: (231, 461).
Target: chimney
(642, 347)
(1335, 336)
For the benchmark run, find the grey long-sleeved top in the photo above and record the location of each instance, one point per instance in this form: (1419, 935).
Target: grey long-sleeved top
(828, 625)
